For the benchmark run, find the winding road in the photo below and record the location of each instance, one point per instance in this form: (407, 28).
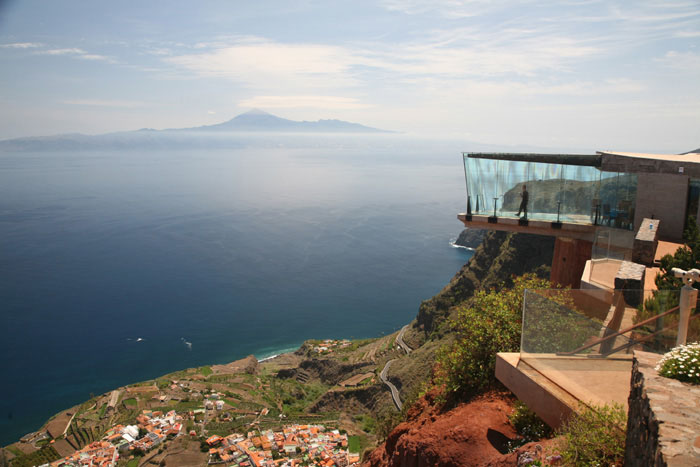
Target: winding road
(395, 392)
(402, 344)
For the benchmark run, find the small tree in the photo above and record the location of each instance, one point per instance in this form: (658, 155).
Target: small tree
(667, 296)
(684, 258)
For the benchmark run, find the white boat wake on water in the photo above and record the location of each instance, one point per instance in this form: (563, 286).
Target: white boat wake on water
(188, 344)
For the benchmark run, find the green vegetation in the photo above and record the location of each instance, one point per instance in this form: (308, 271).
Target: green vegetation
(222, 378)
(103, 409)
(354, 444)
(124, 417)
(387, 420)
(44, 455)
(182, 406)
(14, 450)
(295, 396)
(225, 428)
(528, 424)
(684, 258)
(367, 422)
(682, 363)
(133, 462)
(130, 402)
(206, 370)
(389, 345)
(489, 323)
(231, 402)
(595, 436)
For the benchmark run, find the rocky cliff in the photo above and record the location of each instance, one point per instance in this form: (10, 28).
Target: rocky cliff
(500, 256)
(471, 238)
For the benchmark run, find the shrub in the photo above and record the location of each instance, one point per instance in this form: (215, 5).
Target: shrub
(489, 324)
(681, 363)
(595, 436)
(684, 258)
(528, 424)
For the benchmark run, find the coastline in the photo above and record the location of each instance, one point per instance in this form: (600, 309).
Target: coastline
(268, 356)
(453, 244)
(284, 356)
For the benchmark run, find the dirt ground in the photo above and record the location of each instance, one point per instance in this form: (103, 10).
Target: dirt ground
(472, 434)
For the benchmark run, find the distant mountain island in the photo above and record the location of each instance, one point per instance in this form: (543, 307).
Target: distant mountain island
(236, 132)
(258, 120)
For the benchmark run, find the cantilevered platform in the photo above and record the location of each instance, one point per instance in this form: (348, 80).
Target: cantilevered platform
(555, 386)
(572, 230)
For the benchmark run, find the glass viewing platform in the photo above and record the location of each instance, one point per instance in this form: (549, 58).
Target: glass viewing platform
(560, 188)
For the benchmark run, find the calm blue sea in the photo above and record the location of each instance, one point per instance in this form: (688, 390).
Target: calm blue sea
(111, 262)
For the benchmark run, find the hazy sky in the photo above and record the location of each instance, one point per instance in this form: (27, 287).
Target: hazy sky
(580, 74)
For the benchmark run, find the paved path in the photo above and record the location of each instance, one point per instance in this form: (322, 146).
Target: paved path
(399, 340)
(394, 391)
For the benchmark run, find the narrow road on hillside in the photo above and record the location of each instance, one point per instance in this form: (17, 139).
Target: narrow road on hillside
(402, 344)
(394, 391)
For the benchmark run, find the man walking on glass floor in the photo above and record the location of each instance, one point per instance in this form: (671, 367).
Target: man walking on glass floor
(523, 204)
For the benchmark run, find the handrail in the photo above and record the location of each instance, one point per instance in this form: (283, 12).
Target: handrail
(619, 333)
(643, 338)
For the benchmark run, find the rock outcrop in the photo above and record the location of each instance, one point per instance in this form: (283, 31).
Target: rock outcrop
(471, 238)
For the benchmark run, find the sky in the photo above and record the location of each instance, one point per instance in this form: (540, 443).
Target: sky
(589, 75)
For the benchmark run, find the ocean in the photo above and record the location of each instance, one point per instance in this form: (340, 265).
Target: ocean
(118, 266)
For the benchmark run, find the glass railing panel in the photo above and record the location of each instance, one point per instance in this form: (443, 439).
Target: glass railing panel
(482, 184)
(567, 193)
(554, 325)
(660, 335)
(544, 188)
(579, 194)
(513, 176)
(618, 193)
(610, 248)
(599, 323)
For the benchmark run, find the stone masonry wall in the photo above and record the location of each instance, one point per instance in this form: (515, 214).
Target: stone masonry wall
(663, 425)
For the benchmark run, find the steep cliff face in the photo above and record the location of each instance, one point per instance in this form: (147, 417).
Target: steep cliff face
(501, 256)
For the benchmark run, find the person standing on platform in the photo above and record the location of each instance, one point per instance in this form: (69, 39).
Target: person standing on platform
(523, 204)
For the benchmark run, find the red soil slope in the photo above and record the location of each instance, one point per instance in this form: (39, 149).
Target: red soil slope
(468, 435)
